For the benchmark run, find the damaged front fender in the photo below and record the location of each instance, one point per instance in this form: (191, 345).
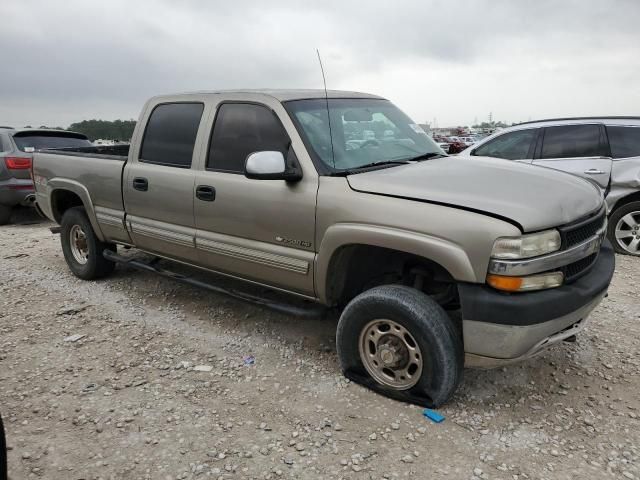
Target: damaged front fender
(625, 180)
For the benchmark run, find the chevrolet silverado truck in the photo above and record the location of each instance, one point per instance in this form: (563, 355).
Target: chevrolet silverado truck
(340, 198)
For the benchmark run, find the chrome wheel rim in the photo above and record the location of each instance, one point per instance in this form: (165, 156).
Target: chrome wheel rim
(390, 354)
(628, 232)
(79, 245)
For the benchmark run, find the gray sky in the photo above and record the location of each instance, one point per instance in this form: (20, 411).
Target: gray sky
(453, 61)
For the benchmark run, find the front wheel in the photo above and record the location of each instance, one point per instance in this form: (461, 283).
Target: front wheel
(624, 229)
(81, 247)
(399, 342)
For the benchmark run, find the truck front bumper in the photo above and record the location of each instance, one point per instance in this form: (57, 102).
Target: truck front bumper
(501, 328)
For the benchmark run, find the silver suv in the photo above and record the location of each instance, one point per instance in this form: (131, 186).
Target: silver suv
(16, 151)
(605, 150)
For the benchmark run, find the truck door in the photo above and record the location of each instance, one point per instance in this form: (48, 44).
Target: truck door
(260, 230)
(579, 149)
(159, 180)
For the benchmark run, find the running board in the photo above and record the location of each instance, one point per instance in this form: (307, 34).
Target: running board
(311, 312)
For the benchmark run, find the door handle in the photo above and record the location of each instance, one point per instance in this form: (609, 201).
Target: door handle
(141, 184)
(594, 171)
(206, 193)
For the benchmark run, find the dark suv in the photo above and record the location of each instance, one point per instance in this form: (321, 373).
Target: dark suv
(605, 150)
(16, 150)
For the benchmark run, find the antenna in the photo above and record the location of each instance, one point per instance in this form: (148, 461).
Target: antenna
(326, 100)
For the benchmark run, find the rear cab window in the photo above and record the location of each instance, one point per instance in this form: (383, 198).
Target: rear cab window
(624, 141)
(41, 140)
(241, 129)
(516, 145)
(572, 141)
(170, 134)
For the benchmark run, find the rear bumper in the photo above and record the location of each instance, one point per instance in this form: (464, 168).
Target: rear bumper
(16, 192)
(501, 328)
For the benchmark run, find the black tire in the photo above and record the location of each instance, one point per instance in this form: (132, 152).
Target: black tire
(5, 214)
(96, 265)
(440, 344)
(614, 218)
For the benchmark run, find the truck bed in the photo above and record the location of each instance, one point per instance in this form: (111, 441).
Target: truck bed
(92, 173)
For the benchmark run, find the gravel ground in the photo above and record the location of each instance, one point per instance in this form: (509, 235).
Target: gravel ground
(138, 377)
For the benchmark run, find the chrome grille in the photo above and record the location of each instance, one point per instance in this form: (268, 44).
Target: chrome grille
(575, 234)
(582, 230)
(579, 268)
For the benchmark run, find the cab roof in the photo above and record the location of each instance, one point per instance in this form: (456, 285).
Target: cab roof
(285, 95)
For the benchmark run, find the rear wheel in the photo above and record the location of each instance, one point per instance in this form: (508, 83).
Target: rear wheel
(624, 229)
(82, 248)
(5, 214)
(397, 341)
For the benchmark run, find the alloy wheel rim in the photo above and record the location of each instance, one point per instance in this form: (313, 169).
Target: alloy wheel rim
(79, 245)
(628, 232)
(390, 354)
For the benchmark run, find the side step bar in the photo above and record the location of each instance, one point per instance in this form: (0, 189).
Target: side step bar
(310, 312)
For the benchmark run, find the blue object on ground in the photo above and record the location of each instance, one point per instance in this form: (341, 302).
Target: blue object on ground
(433, 415)
(249, 360)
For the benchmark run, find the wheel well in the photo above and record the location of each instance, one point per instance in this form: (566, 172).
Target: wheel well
(63, 200)
(356, 268)
(634, 197)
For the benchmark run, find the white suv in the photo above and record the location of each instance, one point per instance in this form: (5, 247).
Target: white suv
(605, 150)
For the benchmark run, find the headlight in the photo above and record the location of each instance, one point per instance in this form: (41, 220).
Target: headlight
(526, 246)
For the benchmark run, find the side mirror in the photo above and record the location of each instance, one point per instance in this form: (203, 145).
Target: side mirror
(269, 165)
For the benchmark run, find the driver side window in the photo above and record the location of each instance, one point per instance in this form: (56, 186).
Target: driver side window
(510, 146)
(241, 129)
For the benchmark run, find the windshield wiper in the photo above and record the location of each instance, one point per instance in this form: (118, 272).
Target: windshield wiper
(369, 166)
(426, 156)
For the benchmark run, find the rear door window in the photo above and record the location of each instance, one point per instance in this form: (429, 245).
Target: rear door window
(624, 141)
(170, 136)
(516, 145)
(570, 141)
(241, 129)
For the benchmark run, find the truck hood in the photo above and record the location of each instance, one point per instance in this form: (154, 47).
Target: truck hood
(533, 197)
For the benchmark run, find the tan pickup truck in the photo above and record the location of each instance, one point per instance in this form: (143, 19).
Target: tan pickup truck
(435, 263)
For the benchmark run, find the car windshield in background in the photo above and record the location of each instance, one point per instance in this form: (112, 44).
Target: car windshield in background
(364, 131)
(44, 140)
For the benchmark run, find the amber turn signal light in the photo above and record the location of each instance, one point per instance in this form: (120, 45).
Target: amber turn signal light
(523, 284)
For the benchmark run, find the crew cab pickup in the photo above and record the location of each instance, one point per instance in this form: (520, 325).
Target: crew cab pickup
(342, 199)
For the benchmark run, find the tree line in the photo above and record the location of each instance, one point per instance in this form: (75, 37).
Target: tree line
(110, 130)
(121, 130)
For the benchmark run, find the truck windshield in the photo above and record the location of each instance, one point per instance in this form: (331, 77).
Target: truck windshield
(364, 131)
(44, 140)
